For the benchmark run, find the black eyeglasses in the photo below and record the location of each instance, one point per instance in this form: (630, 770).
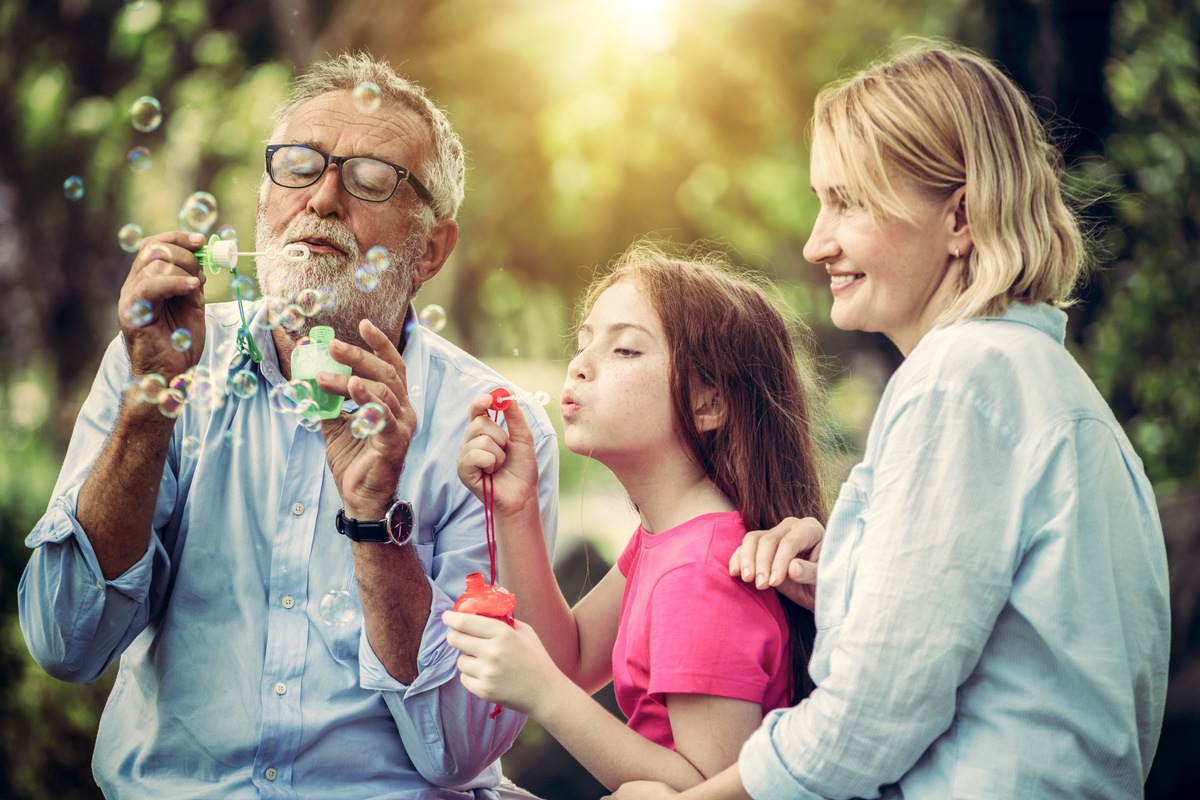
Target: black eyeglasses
(295, 166)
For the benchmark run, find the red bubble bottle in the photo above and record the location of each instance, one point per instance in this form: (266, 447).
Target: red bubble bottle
(487, 601)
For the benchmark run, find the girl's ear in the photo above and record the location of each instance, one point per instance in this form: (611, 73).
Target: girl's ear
(708, 411)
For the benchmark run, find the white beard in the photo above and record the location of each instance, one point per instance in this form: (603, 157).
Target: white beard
(283, 279)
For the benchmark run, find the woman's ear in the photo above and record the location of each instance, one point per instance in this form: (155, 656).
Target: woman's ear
(708, 411)
(959, 228)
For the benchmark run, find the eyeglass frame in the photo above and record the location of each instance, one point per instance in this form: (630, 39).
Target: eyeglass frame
(403, 174)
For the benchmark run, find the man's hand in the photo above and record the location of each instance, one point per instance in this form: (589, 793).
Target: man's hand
(366, 471)
(783, 558)
(163, 292)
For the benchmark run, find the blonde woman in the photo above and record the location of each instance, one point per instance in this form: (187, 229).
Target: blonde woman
(992, 602)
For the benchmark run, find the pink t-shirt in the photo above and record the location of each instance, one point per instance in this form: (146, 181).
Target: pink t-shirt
(688, 627)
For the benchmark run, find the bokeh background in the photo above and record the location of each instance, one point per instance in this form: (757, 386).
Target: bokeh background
(588, 123)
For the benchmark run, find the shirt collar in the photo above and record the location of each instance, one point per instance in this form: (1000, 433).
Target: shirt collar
(1041, 316)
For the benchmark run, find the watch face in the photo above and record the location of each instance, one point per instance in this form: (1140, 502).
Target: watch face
(400, 522)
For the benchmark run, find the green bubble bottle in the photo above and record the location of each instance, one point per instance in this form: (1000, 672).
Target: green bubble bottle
(310, 358)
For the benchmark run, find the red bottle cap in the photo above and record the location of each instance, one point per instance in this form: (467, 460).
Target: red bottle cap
(487, 601)
(501, 399)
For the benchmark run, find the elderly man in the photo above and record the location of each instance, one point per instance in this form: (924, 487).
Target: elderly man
(262, 653)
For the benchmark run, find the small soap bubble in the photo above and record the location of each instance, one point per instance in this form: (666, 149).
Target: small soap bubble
(227, 233)
(130, 237)
(414, 391)
(73, 187)
(140, 314)
(181, 339)
(199, 212)
(293, 397)
(153, 386)
(309, 302)
(146, 114)
(541, 398)
(377, 257)
(183, 382)
(231, 439)
(409, 325)
(139, 159)
(310, 423)
(516, 352)
(366, 278)
(291, 318)
(433, 317)
(189, 447)
(243, 383)
(368, 96)
(368, 420)
(158, 258)
(242, 287)
(171, 403)
(337, 608)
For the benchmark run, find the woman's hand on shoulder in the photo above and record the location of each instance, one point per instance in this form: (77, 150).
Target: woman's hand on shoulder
(782, 558)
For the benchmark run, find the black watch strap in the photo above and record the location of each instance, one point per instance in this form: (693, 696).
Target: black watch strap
(396, 526)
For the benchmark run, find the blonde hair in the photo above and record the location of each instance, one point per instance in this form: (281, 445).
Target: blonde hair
(942, 116)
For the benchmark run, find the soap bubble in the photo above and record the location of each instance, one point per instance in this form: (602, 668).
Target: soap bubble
(160, 253)
(414, 391)
(293, 397)
(171, 403)
(153, 386)
(310, 423)
(516, 352)
(146, 114)
(199, 212)
(243, 383)
(368, 420)
(231, 439)
(243, 287)
(366, 278)
(377, 257)
(139, 159)
(337, 608)
(130, 237)
(228, 233)
(310, 302)
(541, 398)
(181, 339)
(73, 187)
(291, 318)
(140, 314)
(368, 96)
(189, 447)
(433, 317)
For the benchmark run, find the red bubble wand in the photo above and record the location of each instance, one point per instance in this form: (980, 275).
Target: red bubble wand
(480, 597)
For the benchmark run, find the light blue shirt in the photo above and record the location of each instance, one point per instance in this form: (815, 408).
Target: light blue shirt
(234, 683)
(992, 601)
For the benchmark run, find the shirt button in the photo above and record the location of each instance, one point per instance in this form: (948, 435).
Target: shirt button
(281, 688)
(297, 509)
(271, 773)
(288, 601)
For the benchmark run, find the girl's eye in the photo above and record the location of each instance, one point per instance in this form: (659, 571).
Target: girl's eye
(625, 352)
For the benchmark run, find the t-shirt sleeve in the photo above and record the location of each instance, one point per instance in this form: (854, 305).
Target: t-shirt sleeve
(712, 634)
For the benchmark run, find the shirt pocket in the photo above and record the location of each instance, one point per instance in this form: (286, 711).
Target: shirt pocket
(835, 570)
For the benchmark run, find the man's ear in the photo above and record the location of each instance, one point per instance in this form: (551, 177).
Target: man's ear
(441, 243)
(708, 411)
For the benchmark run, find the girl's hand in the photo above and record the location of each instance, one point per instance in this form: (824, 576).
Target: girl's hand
(503, 665)
(508, 456)
(783, 558)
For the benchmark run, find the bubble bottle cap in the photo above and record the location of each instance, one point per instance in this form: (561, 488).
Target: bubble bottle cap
(218, 254)
(487, 601)
(501, 399)
(310, 358)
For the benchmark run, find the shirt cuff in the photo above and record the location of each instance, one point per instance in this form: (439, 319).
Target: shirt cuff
(436, 660)
(60, 524)
(763, 772)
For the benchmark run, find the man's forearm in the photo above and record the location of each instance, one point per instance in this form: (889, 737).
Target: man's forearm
(395, 600)
(117, 499)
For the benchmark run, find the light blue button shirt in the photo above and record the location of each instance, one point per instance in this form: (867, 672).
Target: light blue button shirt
(244, 672)
(992, 601)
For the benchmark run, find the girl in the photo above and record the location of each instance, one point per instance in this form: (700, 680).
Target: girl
(686, 386)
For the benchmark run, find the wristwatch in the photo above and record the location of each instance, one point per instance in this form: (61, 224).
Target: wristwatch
(396, 526)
